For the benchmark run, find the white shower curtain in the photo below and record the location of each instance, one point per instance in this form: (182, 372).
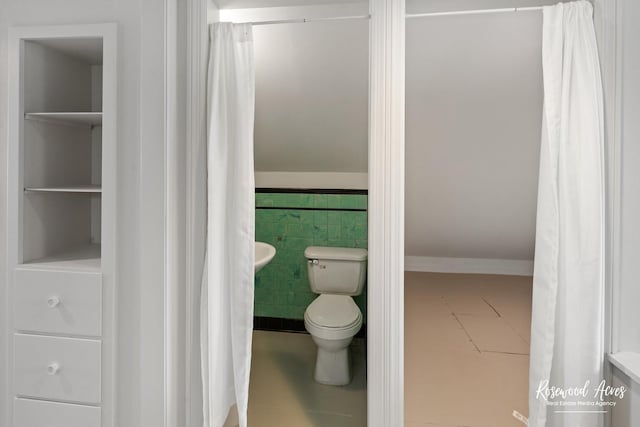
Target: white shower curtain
(227, 284)
(567, 331)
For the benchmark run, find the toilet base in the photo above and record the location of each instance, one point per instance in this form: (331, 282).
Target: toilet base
(333, 367)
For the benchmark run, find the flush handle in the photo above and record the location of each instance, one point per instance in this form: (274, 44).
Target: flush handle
(53, 368)
(314, 261)
(53, 302)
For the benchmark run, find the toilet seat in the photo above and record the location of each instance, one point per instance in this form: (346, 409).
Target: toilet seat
(333, 317)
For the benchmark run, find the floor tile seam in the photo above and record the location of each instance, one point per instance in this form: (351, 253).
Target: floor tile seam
(467, 333)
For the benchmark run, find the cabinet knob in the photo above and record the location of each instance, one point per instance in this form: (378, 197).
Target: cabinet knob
(53, 368)
(53, 302)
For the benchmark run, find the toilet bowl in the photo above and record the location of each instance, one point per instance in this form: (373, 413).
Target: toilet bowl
(332, 321)
(333, 318)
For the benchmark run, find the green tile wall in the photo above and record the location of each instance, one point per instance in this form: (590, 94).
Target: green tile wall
(282, 288)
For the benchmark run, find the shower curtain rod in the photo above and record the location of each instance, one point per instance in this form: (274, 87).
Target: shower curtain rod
(304, 20)
(474, 12)
(409, 15)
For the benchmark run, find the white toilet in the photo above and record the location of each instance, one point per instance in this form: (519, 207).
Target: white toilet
(333, 318)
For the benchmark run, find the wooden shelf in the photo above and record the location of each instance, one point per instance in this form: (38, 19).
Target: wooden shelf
(84, 119)
(66, 189)
(86, 258)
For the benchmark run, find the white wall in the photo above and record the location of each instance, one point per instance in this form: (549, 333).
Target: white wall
(474, 109)
(4, 371)
(311, 96)
(140, 185)
(474, 104)
(237, 4)
(626, 316)
(629, 278)
(626, 413)
(423, 6)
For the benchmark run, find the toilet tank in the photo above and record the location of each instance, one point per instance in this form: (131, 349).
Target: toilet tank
(341, 271)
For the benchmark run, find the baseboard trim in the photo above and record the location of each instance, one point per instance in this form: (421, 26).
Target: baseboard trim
(512, 267)
(277, 324)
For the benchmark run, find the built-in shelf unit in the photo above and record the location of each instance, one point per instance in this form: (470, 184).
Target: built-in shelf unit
(90, 188)
(61, 222)
(83, 119)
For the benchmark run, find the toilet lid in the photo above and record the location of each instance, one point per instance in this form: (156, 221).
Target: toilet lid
(333, 311)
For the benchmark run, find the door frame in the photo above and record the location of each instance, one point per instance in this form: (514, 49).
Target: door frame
(385, 328)
(385, 299)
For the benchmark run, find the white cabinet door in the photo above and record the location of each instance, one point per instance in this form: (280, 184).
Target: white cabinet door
(57, 368)
(37, 413)
(57, 302)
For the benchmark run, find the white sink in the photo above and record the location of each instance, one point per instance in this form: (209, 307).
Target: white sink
(264, 254)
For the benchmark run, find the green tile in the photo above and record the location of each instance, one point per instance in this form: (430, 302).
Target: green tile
(266, 297)
(355, 201)
(264, 199)
(320, 218)
(270, 215)
(300, 230)
(320, 233)
(286, 200)
(342, 243)
(300, 299)
(361, 231)
(306, 217)
(347, 232)
(272, 310)
(295, 312)
(298, 272)
(362, 218)
(292, 216)
(304, 200)
(282, 200)
(320, 201)
(278, 229)
(350, 218)
(321, 241)
(282, 287)
(262, 216)
(334, 218)
(361, 244)
(333, 232)
(334, 201)
(292, 245)
(262, 233)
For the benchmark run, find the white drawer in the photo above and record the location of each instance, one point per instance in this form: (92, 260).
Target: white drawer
(58, 302)
(35, 413)
(57, 368)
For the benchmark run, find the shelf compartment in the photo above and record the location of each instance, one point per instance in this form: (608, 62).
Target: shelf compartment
(84, 258)
(94, 189)
(84, 119)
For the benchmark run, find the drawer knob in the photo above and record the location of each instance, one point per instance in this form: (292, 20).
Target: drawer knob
(53, 302)
(53, 368)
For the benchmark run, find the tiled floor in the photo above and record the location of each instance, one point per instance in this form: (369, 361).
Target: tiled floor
(466, 361)
(283, 393)
(466, 349)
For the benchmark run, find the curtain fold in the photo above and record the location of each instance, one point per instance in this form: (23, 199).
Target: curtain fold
(228, 276)
(567, 330)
